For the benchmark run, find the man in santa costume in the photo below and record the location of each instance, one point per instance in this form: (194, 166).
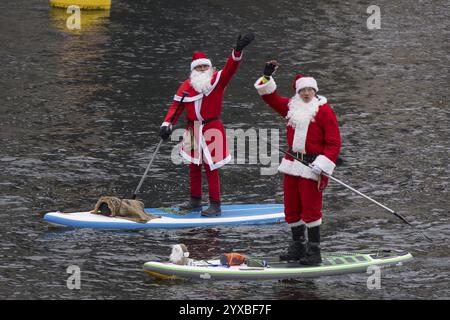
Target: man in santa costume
(204, 142)
(313, 136)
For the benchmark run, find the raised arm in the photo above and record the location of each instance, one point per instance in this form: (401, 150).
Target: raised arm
(267, 89)
(234, 59)
(230, 68)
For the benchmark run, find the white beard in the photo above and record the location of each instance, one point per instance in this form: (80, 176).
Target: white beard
(301, 113)
(201, 81)
(299, 116)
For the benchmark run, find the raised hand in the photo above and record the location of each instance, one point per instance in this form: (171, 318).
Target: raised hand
(245, 41)
(270, 68)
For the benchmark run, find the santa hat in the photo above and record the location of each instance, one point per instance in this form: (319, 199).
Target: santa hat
(198, 59)
(301, 82)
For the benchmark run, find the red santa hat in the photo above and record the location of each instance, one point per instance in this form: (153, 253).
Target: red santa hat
(301, 82)
(198, 59)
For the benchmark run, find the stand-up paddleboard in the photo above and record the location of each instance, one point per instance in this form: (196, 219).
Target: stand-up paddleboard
(171, 218)
(271, 268)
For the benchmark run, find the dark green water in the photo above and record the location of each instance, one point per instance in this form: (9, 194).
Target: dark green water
(80, 112)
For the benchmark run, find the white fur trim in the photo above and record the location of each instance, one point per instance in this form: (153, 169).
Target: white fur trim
(236, 58)
(188, 99)
(189, 158)
(296, 168)
(265, 88)
(306, 82)
(166, 124)
(313, 224)
(296, 224)
(198, 107)
(299, 116)
(208, 156)
(325, 164)
(221, 163)
(203, 150)
(199, 62)
(322, 100)
(215, 83)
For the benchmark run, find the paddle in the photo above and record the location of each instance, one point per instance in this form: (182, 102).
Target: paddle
(157, 147)
(355, 191)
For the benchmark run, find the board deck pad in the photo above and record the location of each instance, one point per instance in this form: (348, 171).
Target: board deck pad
(272, 268)
(232, 214)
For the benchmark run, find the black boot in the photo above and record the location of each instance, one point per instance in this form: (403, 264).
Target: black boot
(194, 204)
(313, 257)
(297, 248)
(213, 210)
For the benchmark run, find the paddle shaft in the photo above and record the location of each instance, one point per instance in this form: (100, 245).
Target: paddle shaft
(354, 190)
(157, 149)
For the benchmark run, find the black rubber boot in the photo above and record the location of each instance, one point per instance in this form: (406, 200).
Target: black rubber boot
(297, 247)
(213, 210)
(194, 204)
(313, 256)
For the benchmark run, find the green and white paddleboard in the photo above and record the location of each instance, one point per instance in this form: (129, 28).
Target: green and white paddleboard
(333, 264)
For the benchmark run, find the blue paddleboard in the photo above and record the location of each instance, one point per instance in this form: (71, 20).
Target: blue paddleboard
(233, 214)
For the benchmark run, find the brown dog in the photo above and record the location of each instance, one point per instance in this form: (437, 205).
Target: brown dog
(124, 208)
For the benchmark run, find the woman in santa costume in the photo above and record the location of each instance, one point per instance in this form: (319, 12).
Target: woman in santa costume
(313, 136)
(204, 142)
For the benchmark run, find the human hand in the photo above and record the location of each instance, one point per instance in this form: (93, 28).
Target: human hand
(245, 41)
(165, 131)
(270, 67)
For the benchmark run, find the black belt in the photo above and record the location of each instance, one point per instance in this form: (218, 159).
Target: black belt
(204, 121)
(309, 158)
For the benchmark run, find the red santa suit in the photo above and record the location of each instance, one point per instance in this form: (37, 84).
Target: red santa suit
(312, 131)
(205, 139)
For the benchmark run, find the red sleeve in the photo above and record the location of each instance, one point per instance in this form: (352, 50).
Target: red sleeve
(172, 110)
(332, 134)
(173, 107)
(230, 68)
(277, 103)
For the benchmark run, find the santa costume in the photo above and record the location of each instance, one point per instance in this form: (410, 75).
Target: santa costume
(204, 142)
(313, 136)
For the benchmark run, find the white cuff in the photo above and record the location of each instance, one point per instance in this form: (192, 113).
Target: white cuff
(313, 224)
(265, 88)
(296, 224)
(166, 124)
(199, 62)
(325, 164)
(236, 58)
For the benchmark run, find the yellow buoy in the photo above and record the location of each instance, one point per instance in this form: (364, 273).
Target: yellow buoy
(90, 20)
(83, 4)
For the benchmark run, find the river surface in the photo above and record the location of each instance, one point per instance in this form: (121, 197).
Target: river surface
(81, 109)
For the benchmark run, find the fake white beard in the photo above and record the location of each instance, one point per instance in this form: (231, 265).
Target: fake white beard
(201, 81)
(301, 113)
(299, 116)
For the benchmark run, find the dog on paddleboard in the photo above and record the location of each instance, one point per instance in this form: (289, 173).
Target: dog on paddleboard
(180, 255)
(128, 209)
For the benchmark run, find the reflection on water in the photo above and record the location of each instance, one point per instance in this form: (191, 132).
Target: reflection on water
(80, 116)
(90, 20)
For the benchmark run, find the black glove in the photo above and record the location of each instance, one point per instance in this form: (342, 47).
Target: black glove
(165, 132)
(243, 42)
(270, 68)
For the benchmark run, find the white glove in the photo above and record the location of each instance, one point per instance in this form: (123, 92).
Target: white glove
(316, 169)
